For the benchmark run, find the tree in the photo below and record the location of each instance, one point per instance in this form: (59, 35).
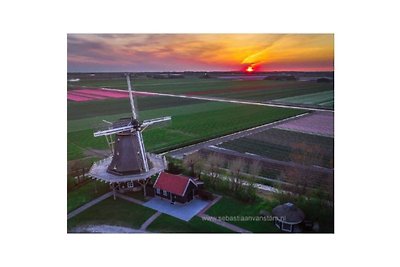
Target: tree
(304, 177)
(255, 168)
(212, 167)
(193, 162)
(236, 167)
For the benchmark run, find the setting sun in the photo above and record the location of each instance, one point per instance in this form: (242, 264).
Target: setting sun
(249, 69)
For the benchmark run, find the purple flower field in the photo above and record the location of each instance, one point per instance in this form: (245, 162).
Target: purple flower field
(318, 123)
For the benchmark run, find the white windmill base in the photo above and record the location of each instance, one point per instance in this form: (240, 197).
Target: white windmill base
(98, 171)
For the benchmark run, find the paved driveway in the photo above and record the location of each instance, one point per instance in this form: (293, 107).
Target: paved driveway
(181, 211)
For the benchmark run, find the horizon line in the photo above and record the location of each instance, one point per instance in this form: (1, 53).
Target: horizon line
(169, 71)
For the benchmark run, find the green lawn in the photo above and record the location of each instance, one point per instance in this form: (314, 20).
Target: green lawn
(168, 224)
(74, 151)
(113, 212)
(228, 206)
(190, 124)
(85, 193)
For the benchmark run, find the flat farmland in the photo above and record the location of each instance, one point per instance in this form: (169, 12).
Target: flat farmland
(257, 90)
(192, 121)
(107, 107)
(278, 144)
(318, 123)
(325, 98)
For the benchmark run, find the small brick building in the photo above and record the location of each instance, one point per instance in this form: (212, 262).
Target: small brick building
(176, 188)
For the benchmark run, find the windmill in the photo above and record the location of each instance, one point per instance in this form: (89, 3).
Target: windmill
(129, 162)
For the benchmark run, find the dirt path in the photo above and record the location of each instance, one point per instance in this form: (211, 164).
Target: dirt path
(88, 205)
(130, 199)
(95, 152)
(149, 221)
(210, 205)
(104, 228)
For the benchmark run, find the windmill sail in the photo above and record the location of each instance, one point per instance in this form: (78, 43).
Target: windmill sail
(156, 122)
(119, 126)
(134, 113)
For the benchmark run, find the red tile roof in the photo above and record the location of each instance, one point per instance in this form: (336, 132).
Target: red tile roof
(172, 183)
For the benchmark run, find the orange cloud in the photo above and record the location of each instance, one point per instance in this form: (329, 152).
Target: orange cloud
(159, 52)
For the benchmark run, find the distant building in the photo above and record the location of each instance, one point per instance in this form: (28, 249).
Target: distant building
(205, 76)
(176, 188)
(167, 76)
(281, 78)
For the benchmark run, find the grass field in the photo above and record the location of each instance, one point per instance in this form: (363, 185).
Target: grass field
(258, 90)
(123, 213)
(190, 123)
(81, 110)
(325, 98)
(168, 224)
(113, 212)
(228, 206)
(85, 193)
(278, 144)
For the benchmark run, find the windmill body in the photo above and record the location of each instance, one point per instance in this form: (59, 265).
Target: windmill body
(129, 156)
(129, 162)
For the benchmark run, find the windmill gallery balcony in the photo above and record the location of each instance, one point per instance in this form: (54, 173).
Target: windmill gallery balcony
(99, 170)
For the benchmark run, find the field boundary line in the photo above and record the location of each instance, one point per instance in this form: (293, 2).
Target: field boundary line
(225, 100)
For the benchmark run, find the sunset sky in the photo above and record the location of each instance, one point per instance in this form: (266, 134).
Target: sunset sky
(197, 52)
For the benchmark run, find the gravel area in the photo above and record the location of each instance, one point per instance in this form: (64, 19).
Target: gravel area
(104, 229)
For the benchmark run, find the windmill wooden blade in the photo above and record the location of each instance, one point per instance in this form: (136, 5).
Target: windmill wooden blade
(119, 126)
(132, 101)
(156, 122)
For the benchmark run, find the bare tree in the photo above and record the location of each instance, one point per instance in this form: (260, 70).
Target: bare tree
(236, 167)
(303, 178)
(194, 162)
(255, 168)
(213, 165)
